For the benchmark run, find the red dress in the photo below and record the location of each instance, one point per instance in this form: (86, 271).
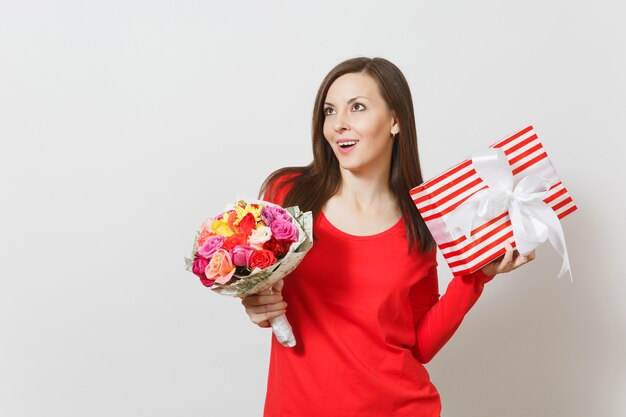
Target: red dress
(366, 315)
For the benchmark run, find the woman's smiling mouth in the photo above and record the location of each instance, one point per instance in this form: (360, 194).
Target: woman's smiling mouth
(346, 145)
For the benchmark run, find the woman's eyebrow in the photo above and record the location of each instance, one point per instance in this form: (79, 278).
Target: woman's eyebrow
(349, 101)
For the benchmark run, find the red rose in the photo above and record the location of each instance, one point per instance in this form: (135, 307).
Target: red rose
(247, 224)
(278, 247)
(262, 259)
(234, 240)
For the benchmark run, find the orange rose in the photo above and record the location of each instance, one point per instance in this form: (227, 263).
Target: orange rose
(203, 236)
(221, 267)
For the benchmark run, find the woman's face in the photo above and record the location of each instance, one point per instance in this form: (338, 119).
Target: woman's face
(357, 116)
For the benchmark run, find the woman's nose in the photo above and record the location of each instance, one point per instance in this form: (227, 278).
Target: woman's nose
(341, 122)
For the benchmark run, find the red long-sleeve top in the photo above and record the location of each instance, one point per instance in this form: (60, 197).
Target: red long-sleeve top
(366, 315)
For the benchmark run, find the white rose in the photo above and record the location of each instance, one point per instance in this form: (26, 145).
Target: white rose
(259, 236)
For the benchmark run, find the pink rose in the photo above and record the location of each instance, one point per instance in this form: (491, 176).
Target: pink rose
(210, 245)
(242, 254)
(221, 267)
(284, 230)
(269, 214)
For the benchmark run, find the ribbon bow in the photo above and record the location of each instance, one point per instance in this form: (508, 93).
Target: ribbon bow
(532, 220)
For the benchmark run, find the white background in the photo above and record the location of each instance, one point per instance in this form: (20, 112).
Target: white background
(123, 124)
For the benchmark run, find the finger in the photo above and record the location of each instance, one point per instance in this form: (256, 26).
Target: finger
(498, 260)
(508, 256)
(278, 285)
(266, 308)
(258, 300)
(523, 259)
(519, 261)
(260, 318)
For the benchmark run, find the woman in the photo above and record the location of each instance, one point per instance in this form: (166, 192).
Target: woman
(364, 302)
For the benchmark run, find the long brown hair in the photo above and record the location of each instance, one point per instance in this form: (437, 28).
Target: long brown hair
(321, 179)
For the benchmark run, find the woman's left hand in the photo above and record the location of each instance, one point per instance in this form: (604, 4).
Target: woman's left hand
(511, 260)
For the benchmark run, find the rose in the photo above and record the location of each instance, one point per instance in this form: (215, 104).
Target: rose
(247, 224)
(278, 247)
(198, 268)
(259, 236)
(205, 233)
(199, 265)
(221, 267)
(284, 230)
(262, 259)
(242, 254)
(212, 244)
(234, 240)
(271, 213)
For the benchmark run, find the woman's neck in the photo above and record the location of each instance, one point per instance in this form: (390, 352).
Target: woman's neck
(365, 193)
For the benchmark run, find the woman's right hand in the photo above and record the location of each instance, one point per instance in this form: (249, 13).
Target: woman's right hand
(264, 306)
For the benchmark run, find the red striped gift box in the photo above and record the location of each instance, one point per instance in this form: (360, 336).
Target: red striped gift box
(439, 196)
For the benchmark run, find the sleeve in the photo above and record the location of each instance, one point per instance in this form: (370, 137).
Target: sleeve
(436, 319)
(277, 190)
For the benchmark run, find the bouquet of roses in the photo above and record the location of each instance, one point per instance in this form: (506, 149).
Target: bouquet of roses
(248, 248)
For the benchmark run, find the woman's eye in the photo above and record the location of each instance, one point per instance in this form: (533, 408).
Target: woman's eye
(355, 106)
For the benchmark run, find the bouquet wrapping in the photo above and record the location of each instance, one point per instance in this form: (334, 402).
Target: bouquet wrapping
(248, 248)
(509, 192)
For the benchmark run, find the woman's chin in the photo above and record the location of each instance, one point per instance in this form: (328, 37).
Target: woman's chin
(351, 168)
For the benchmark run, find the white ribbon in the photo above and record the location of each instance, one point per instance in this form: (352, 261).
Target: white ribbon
(532, 220)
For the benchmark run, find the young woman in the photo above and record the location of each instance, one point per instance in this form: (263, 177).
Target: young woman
(364, 303)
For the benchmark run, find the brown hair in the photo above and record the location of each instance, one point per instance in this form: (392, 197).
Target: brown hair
(321, 179)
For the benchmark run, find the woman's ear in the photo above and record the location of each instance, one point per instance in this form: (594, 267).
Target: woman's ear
(395, 124)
